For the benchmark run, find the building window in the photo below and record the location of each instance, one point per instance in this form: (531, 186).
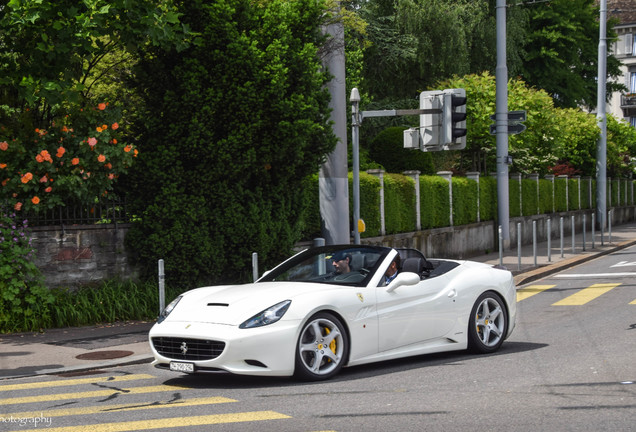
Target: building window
(632, 82)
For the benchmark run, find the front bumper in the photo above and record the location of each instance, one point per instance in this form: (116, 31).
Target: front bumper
(268, 350)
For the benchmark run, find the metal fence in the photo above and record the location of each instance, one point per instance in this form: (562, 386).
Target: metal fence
(111, 211)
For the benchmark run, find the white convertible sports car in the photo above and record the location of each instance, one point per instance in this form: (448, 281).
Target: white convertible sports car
(330, 307)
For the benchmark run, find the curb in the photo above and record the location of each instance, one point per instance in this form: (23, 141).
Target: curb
(538, 273)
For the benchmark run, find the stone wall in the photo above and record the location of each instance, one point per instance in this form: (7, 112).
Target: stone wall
(82, 254)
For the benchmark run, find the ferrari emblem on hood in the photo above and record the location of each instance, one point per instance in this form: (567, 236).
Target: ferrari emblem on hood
(361, 297)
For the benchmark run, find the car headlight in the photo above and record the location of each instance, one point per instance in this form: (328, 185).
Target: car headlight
(166, 311)
(268, 316)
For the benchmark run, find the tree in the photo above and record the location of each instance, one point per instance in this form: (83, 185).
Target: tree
(231, 127)
(562, 52)
(58, 138)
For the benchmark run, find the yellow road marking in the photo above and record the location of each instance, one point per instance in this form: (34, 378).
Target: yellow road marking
(634, 302)
(121, 407)
(61, 383)
(90, 394)
(179, 422)
(586, 295)
(524, 293)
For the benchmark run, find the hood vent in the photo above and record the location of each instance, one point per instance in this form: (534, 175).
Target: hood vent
(219, 304)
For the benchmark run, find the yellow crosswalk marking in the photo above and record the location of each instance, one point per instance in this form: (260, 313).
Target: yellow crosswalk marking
(90, 394)
(524, 293)
(101, 409)
(175, 422)
(70, 382)
(586, 295)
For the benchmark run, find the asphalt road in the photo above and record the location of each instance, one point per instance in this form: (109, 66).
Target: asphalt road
(569, 366)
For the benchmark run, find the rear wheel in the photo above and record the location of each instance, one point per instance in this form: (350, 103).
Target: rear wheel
(322, 348)
(488, 323)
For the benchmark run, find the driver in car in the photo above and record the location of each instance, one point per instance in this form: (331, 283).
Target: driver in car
(341, 262)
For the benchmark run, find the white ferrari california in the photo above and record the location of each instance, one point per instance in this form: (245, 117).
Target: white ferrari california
(335, 306)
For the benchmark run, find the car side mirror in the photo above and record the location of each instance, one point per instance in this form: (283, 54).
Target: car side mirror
(405, 278)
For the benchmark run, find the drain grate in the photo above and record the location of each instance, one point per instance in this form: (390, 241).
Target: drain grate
(104, 355)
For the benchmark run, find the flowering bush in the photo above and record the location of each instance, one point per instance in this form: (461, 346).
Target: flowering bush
(77, 156)
(23, 296)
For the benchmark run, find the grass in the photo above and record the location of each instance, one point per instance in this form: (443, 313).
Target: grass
(107, 302)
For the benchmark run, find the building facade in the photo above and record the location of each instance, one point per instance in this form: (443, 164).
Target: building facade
(623, 105)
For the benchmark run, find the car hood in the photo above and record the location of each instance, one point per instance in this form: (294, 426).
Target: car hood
(233, 304)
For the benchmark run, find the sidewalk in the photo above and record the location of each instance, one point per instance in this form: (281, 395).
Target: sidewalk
(74, 350)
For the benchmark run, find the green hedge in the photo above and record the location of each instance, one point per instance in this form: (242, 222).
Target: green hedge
(434, 202)
(399, 200)
(514, 198)
(464, 201)
(560, 197)
(529, 192)
(487, 198)
(546, 196)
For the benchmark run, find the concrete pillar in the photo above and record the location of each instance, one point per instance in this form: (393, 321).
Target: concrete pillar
(415, 175)
(379, 173)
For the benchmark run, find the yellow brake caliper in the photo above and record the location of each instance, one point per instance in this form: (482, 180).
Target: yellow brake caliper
(332, 344)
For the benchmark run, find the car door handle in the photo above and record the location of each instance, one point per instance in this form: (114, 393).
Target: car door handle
(452, 293)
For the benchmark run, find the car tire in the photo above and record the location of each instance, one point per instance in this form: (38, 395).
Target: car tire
(322, 348)
(487, 324)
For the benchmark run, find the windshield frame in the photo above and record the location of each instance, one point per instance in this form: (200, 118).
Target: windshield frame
(301, 259)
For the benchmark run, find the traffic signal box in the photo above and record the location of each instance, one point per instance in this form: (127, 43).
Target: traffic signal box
(443, 127)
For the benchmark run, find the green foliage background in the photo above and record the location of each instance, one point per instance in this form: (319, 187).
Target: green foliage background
(242, 122)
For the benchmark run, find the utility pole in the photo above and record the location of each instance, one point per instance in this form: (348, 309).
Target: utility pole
(601, 118)
(501, 77)
(334, 174)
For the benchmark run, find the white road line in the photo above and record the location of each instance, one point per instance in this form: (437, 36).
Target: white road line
(594, 275)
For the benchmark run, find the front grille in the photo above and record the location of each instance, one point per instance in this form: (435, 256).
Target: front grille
(188, 349)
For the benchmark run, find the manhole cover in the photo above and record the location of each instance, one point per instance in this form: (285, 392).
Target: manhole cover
(103, 355)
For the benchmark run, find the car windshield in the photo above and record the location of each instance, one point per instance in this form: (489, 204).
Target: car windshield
(340, 265)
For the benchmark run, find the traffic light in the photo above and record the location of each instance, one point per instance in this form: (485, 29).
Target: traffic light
(454, 119)
(431, 123)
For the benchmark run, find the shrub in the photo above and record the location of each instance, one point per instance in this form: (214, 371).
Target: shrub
(24, 300)
(387, 149)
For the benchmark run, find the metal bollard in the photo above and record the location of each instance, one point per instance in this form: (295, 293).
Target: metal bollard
(584, 227)
(255, 265)
(609, 225)
(534, 241)
(573, 237)
(162, 287)
(561, 234)
(518, 246)
(593, 230)
(549, 240)
(500, 247)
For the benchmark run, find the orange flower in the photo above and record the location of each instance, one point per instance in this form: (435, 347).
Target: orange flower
(114, 141)
(101, 106)
(48, 189)
(4, 182)
(108, 165)
(127, 148)
(35, 200)
(101, 158)
(44, 179)
(136, 152)
(75, 161)
(98, 128)
(111, 176)
(64, 129)
(3, 165)
(4, 145)
(115, 126)
(39, 158)
(60, 152)
(17, 206)
(27, 178)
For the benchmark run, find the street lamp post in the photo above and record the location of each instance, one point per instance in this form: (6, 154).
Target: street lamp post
(355, 150)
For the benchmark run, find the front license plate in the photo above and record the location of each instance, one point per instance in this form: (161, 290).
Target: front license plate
(182, 367)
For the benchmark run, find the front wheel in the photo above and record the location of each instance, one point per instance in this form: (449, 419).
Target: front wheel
(488, 323)
(322, 348)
